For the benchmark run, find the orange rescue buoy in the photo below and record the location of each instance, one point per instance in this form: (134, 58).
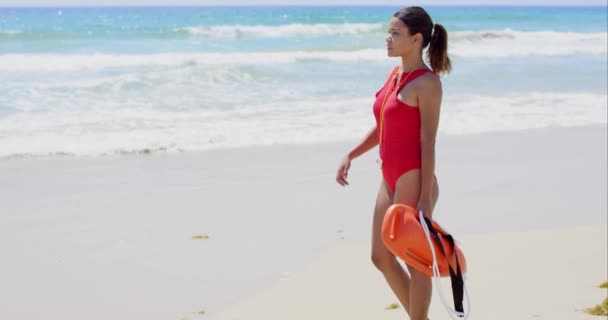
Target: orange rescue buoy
(403, 235)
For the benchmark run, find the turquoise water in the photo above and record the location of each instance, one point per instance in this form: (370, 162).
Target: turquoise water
(95, 81)
(195, 29)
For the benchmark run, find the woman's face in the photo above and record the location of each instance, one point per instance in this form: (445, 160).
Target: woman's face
(399, 42)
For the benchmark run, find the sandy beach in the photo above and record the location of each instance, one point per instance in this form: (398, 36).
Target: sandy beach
(266, 233)
(552, 281)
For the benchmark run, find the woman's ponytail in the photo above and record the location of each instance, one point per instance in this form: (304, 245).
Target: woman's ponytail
(438, 51)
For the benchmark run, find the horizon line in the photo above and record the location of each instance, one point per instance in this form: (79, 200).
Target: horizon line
(529, 5)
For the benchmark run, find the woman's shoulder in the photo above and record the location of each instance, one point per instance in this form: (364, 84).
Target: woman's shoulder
(429, 82)
(429, 78)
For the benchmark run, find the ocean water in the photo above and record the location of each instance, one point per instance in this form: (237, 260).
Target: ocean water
(106, 81)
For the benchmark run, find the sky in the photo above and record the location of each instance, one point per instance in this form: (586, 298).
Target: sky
(9, 3)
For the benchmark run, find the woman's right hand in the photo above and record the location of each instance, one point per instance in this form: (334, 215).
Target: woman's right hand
(343, 171)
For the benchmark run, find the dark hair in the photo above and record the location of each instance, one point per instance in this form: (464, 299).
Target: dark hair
(418, 21)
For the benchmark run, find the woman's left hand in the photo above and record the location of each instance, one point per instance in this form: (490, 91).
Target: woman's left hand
(426, 205)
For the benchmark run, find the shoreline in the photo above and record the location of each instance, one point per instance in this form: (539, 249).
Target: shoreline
(148, 153)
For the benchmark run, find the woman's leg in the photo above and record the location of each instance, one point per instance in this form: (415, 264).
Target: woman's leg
(383, 259)
(407, 192)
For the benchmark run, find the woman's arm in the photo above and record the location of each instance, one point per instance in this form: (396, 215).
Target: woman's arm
(369, 141)
(429, 103)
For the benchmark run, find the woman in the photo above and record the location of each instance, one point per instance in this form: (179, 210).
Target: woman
(407, 116)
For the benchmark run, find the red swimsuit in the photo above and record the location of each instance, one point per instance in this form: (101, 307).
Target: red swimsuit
(398, 130)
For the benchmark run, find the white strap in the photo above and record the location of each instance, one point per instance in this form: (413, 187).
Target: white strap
(437, 276)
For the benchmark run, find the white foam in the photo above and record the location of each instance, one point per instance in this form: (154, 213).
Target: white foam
(10, 32)
(510, 43)
(495, 44)
(76, 62)
(100, 130)
(469, 114)
(284, 31)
